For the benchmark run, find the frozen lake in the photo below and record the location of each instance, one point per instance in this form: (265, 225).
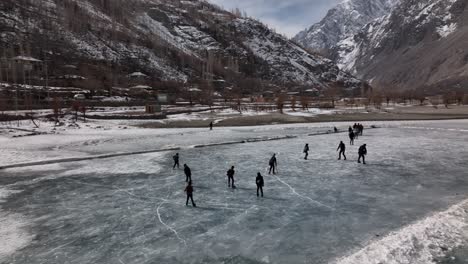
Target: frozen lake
(407, 205)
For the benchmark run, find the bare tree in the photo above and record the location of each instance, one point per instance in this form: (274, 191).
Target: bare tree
(280, 102)
(83, 111)
(293, 103)
(56, 109)
(305, 103)
(76, 106)
(333, 92)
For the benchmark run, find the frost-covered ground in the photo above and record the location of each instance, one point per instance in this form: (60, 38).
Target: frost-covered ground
(408, 205)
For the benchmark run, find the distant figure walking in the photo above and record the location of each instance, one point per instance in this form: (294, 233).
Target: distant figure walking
(230, 174)
(260, 183)
(362, 153)
(335, 130)
(273, 164)
(211, 126)
(176, 161)
(351, 137)
(188, 173)
(306, 151)
(342, 149)
(189, 192)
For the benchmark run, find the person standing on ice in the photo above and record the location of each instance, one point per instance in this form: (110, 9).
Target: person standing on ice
(189, 192)
(342, 149)
(188, 173)
(230, 174)
(306, 151)
(211, 126)
(362, 153)
(176, 161)
(260, 183)
(273, 164)
(335, 129)
(351, 137)
(356, 132)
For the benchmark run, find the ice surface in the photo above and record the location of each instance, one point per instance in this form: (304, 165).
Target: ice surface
(132, 209)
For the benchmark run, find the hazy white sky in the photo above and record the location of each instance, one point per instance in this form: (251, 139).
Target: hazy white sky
(286, 16)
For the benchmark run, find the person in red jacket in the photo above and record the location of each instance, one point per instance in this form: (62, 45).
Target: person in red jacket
(189, 191)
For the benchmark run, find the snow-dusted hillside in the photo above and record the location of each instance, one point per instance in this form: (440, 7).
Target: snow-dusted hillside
(168, 40)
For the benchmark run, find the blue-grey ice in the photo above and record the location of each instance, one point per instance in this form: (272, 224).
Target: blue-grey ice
(407, 205)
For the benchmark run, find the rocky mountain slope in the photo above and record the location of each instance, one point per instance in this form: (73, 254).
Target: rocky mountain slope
(169, 40)
(419, 44)
(341, 23)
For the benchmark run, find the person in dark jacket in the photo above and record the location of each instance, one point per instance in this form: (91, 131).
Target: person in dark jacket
(188, 173)
(260, 183)
(342, 149)
(362, 153)
(189, 192)
(176, 161)
(273, 164)
(335, 129)
(211, 126)
(230, 174)
(350, 129)
(306, 151)
(351, 137)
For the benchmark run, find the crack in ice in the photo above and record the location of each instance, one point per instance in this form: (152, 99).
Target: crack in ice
(168, 226)
(303, 196)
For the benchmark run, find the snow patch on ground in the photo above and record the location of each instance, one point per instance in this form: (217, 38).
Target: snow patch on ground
(446, 30)
(13, 235)
(122, 165)
(420, 242)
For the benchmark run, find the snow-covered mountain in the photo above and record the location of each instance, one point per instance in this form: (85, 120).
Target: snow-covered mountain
(421, 44)
(341, 23)
(410, 44)
(169, 40)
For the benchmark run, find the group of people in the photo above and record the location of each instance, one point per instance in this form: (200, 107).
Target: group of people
(354, 132)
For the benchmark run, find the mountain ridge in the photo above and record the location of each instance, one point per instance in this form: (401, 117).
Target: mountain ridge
(170, 41)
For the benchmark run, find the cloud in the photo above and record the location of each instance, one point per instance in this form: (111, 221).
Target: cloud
(286, 16)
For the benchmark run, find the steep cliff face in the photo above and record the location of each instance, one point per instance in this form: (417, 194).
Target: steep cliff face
(343, 22)
(413, 44)
(421, 44)
(169, 40)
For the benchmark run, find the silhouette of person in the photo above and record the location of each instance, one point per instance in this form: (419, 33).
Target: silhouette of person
(260, 183)
(230, 174)
(306, 151)
(188, 173)
(176, 161)
(362, 153)
(342, 149)
(273, 164)
(351, 137)
(189, 192)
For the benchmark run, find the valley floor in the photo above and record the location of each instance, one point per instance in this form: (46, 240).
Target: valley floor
(409, 204)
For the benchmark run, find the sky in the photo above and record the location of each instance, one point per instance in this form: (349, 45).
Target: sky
(286, 16)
